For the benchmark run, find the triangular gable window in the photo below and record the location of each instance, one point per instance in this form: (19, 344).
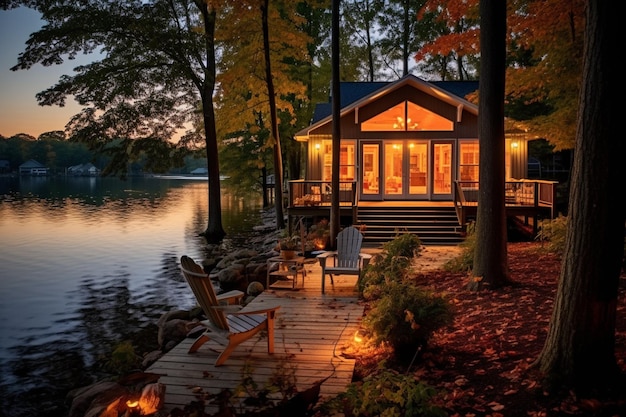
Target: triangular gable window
(406, 116)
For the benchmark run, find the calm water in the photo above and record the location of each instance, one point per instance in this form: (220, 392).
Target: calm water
(84, 264)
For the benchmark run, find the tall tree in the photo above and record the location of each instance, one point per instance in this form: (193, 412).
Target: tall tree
(402, 34)
(206, 84)
(453, 49)
(275, 135)
(490, 258)
(336, 129)
(359, 18)
(544, 61)
(155, 68)
(545, 64)
(262, 50)
(580, 347)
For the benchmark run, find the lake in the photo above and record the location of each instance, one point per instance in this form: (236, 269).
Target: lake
(86, 263)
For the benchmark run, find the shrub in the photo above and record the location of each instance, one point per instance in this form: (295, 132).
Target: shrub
(552, 232)
(123, 359)
(402, 314)
(392, 263)
(403, 244)
(405, 316)
(465, 261)
(387, 393)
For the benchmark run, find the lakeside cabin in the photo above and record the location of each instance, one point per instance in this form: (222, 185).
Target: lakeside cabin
(409, 161)
(33, 168)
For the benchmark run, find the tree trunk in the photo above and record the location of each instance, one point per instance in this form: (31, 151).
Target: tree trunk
(490, 256)
(275, 136)
(579, 351)
(214, 232)
(336, 131)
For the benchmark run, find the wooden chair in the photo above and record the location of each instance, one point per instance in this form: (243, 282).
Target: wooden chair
(228, 329)
(347, 259)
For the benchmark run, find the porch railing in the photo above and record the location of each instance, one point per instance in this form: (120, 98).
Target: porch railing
(527, 198)
(309, 193)
(536, 194)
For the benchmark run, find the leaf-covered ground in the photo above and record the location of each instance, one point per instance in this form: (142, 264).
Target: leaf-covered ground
(483, 360)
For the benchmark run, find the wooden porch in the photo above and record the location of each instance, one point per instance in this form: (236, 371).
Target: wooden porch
(312, 331)
(527, 201)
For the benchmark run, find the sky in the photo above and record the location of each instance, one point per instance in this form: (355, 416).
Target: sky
(19, 111)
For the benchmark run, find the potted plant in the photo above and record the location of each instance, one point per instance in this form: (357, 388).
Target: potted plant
(319, 233)
(288, 246)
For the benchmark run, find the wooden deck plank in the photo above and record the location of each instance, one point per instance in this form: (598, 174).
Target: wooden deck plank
(310, 331)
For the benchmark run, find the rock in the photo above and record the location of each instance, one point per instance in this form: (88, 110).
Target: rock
(255, 288)
(209, 264)
(108, 398)
(251, 271)
(150, 358)
(245, 254)
(232, 278)
(162, 336)
(174, 314)
(94, 399)
(173, 331)
(152, 398)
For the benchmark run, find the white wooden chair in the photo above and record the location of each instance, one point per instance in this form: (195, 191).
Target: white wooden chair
(347, 259)
(228, 329)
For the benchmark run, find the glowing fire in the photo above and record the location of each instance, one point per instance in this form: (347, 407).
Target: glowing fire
(133, 408)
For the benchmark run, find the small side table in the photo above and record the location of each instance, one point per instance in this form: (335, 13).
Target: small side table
(287, 269)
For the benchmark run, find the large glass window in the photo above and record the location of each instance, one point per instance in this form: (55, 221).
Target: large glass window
(418, 167)
(442, 168)
(407, 116)
(394, 166)
(371, 168)
(468, 160)
(347, 160)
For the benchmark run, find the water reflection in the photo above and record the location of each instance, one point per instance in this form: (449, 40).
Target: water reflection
(88, 263)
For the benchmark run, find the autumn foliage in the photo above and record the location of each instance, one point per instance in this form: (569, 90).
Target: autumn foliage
(482, 362)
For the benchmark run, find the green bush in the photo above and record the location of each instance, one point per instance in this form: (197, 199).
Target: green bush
(403, 244)
(405, 316)
(552, 233)
(465, 261)
(387, 393)
(123, 359)
(392, 263)
(402, 314)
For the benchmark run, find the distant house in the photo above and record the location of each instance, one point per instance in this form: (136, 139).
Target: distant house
(32, 167)
(200, 171)
(84, 170)
(4, 166)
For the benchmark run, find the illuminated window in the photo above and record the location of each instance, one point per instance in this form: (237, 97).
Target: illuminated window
(406, 116)
(347, 160)
(468, 160)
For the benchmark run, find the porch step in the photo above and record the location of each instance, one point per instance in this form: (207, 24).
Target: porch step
(433, 225)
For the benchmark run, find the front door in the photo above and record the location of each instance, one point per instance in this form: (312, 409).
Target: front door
(406, 170)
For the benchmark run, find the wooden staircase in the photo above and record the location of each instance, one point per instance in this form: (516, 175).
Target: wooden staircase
(433, 225)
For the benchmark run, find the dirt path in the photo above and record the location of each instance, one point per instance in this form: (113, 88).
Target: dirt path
(434, 257)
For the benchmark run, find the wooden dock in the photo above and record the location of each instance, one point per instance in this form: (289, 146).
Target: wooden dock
(312, 331)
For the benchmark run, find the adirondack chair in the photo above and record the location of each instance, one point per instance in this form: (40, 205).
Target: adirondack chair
(347, 259)
(227, 324)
